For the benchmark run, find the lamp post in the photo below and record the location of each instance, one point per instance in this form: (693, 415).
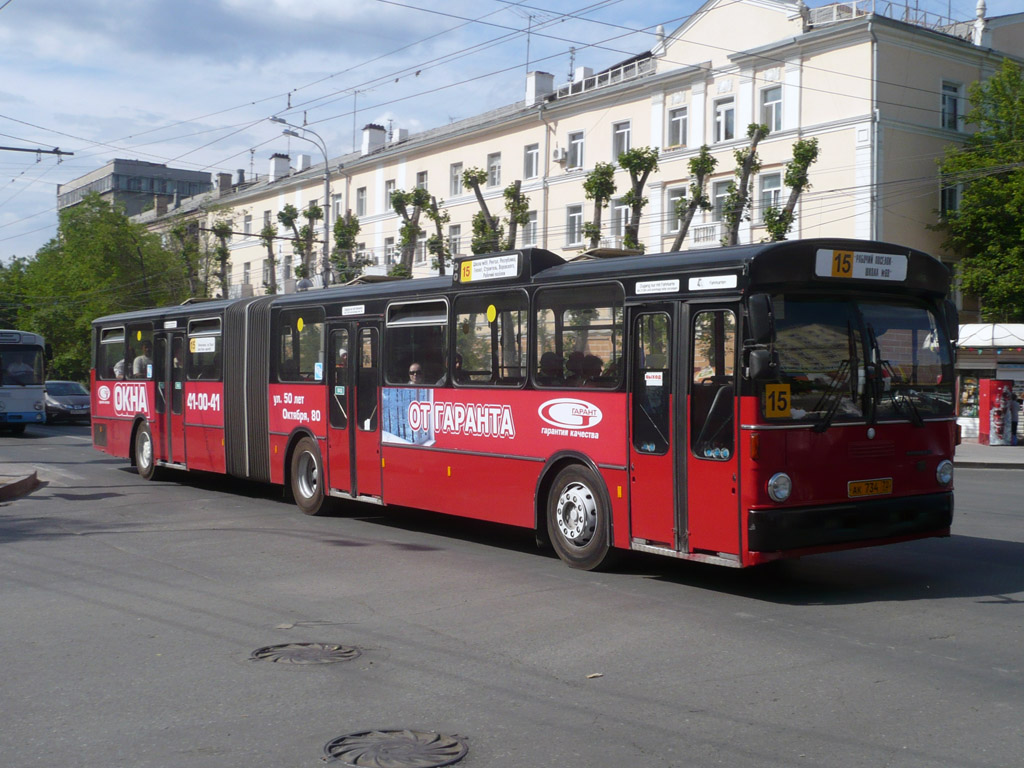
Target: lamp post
(293, 130)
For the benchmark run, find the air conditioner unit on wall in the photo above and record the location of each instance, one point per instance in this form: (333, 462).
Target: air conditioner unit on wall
(559, 155)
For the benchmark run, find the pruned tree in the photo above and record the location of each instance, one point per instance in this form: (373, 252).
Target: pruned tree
(347, 264)
(487, 230)
(408, 205)
(518, 207)
(701, 166)
(302, 237)
(599, 186)
(736, 206)
(778, 223)
(640, 162)
(437, 245)
(183, 234)
(222, 231)
(267, 237)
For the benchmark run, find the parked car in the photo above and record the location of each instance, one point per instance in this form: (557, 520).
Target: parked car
(66, 401)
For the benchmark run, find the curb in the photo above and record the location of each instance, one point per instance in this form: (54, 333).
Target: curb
(19, 487)
(987, 465)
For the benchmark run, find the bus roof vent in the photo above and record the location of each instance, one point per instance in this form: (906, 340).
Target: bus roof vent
(607, 252)
(504, 267)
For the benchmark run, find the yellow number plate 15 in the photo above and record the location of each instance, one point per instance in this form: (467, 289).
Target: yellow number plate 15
(879, 487)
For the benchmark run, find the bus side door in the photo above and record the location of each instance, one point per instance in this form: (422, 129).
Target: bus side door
(367, 408)
(169, 378)
(712, 465)
(656, 514)
(340, 397)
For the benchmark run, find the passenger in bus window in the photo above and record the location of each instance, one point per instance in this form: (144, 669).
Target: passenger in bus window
(119, 369)
(141, 364)
(550, 369)
(574, 367)
(416, 374)
(592, 367)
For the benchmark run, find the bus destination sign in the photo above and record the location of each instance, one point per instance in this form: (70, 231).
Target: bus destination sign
(492, 268)
(860, 265)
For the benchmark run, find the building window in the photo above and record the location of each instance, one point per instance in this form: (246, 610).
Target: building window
(574, 225)
(673, 219)
(530, 230)
(336, 206)
(421, 180)
(420, 254)
(494, 170)
(247, 225)
(266, 218)
(246, 274)
(455, 239)
(455, 179)
(620, 217)
(389, 190)
(949, 201)
(771, 191)
(771, 107)
(575, 150)
(725, 119)
(389, 250)
(951, 106)
(531, 161)
(361, 201)
(620, 139)
(720, 192)
(677, 127)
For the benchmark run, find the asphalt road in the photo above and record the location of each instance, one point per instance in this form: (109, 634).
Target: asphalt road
(129, 610)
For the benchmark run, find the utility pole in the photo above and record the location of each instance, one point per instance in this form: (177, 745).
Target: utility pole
(55, 151)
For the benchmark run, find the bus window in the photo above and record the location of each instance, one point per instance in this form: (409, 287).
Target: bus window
(713, 388)
(416, 345)
(204, 350)
(139, 360)
(579, 337)
(339, 396)
(300, 345)
(652, 384)
(110, 357)
(366, 391)
(490, 339)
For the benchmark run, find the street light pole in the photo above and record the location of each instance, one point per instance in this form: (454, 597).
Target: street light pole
(292, 130)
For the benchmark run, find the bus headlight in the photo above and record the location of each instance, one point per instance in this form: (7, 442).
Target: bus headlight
(39, 406)
(944, 472)
(780, 486)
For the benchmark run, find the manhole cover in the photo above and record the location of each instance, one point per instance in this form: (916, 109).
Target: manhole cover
(305, 653)
(396, 749)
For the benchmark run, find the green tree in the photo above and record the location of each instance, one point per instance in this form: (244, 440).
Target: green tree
(437, 245)
(408, 205)
(347, 265)
(736, 207)
(267, 237)
(487, 230)
(701, 166)
(99, 263)
(184, 235)
(640, 162)
(518, 207)
(302, 237)
(222, 231)
(599, 186)
(987, 228)
(778, 223)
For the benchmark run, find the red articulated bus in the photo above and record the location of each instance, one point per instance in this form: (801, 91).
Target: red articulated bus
(732, 405)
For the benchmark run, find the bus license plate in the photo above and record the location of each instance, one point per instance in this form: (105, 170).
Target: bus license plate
(879, 487)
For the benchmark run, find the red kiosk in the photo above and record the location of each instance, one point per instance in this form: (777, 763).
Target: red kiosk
(994, 412)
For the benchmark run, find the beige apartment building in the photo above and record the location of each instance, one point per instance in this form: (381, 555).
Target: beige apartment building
(881, 87)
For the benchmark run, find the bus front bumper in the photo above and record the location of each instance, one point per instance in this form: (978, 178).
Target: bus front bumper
(774, 530)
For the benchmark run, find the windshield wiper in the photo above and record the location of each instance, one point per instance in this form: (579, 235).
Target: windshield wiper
(877, 377)
(834, 395)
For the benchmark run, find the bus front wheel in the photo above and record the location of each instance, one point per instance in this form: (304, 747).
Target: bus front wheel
(578, 519)
(307, 477)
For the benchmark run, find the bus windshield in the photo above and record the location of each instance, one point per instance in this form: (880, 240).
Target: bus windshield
(21, 365)
(844, 359)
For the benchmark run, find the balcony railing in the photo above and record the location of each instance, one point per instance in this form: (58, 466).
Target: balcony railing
(621, 74)
(853, 9)
(703, 235)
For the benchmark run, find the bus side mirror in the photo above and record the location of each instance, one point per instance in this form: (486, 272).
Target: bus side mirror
(952, 321)
(762, 364)
(760, 318)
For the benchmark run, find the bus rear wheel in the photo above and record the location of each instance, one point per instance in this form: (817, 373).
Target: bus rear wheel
(578, 519)
(144, 460)
(307, 478)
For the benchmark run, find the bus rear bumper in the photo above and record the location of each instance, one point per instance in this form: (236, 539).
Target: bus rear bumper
(775, 530)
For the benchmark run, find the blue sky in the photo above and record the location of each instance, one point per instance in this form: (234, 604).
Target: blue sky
(191, 82)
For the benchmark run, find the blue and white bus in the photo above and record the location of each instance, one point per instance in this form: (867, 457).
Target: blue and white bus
(22, 374)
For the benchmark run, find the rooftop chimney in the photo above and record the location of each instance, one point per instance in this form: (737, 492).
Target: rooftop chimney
(538, 86)
(240, 177)
(278, 166)
(303, 162)
(373, 138)
(223, 184)
(159, 205)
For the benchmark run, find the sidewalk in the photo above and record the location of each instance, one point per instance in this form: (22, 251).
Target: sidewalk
(971, 454)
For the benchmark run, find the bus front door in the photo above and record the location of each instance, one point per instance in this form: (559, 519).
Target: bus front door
(657, 512)
(353, 448)
(713, 505)
(169, 378)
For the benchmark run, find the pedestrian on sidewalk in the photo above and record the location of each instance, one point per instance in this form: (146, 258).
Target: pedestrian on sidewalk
(1014, 416)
